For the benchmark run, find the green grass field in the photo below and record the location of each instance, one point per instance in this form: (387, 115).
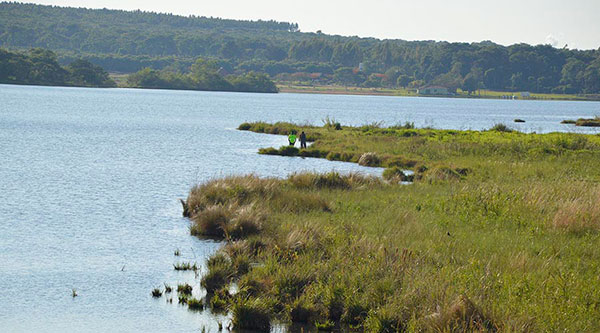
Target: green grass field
(498, 232)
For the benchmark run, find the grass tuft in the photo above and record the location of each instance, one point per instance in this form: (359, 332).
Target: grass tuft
(156, 293)
(185, 266)
(219, 273)
(184, 289)
(369, 159)
(251, 314)
(195, 304)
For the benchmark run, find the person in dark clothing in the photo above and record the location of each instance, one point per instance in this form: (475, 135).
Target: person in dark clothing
(302, 140)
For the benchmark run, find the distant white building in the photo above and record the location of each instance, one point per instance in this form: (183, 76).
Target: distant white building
(361, 67)
(433, 90)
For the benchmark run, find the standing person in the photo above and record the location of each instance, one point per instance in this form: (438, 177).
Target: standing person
(302, 140)
(292, 138)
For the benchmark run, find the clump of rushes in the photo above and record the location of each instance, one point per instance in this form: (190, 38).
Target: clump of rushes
(231, 221)
(394, 174)
(219, 273)
(168, 288)
(185, 266)
(184, 289)
(156, 293)
(252, 314)
(177, 253)
(462, 316)
(569, 121)
(219, 300)
(195, 304)
(369, 159)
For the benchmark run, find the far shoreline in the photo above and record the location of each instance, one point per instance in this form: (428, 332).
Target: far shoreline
(336, 90)
(483, 94)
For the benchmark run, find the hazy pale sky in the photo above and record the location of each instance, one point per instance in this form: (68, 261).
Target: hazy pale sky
(556, 22)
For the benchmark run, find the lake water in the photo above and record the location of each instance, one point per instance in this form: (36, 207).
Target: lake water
(89, 182)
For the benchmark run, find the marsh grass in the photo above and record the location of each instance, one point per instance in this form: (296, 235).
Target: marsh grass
(499, 232)
(251, 313)
(195, 304)
(185, 266)
(592, 122)
(219, 275)
(369, 159)
(156, 293)
(184, 289)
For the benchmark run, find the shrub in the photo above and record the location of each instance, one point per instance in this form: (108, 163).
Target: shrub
(501, 128)
(369, 159)
(253, 314)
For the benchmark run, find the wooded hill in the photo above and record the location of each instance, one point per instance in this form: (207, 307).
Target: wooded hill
(125, 41)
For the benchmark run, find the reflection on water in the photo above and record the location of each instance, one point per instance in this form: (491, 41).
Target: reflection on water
(90, 181)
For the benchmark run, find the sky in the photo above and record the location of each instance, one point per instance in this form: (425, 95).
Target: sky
(575, 23)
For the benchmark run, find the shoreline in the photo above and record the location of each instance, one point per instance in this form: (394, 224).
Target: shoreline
(333, 91)
(359, 91)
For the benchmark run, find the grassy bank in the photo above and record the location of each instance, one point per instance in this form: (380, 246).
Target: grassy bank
(509, 245)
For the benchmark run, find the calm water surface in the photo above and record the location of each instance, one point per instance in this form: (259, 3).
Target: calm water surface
(89, 182)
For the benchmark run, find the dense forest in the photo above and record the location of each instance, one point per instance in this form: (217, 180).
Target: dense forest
(128, 42)
(40, 67)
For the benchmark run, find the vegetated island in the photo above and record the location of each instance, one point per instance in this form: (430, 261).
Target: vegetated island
(498, 232)
(585, 122)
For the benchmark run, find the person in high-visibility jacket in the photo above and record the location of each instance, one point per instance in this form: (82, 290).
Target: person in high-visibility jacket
(292, 138)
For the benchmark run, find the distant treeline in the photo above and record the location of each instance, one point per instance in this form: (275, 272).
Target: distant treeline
(203, 75)
(129, 41)
(40, 67)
